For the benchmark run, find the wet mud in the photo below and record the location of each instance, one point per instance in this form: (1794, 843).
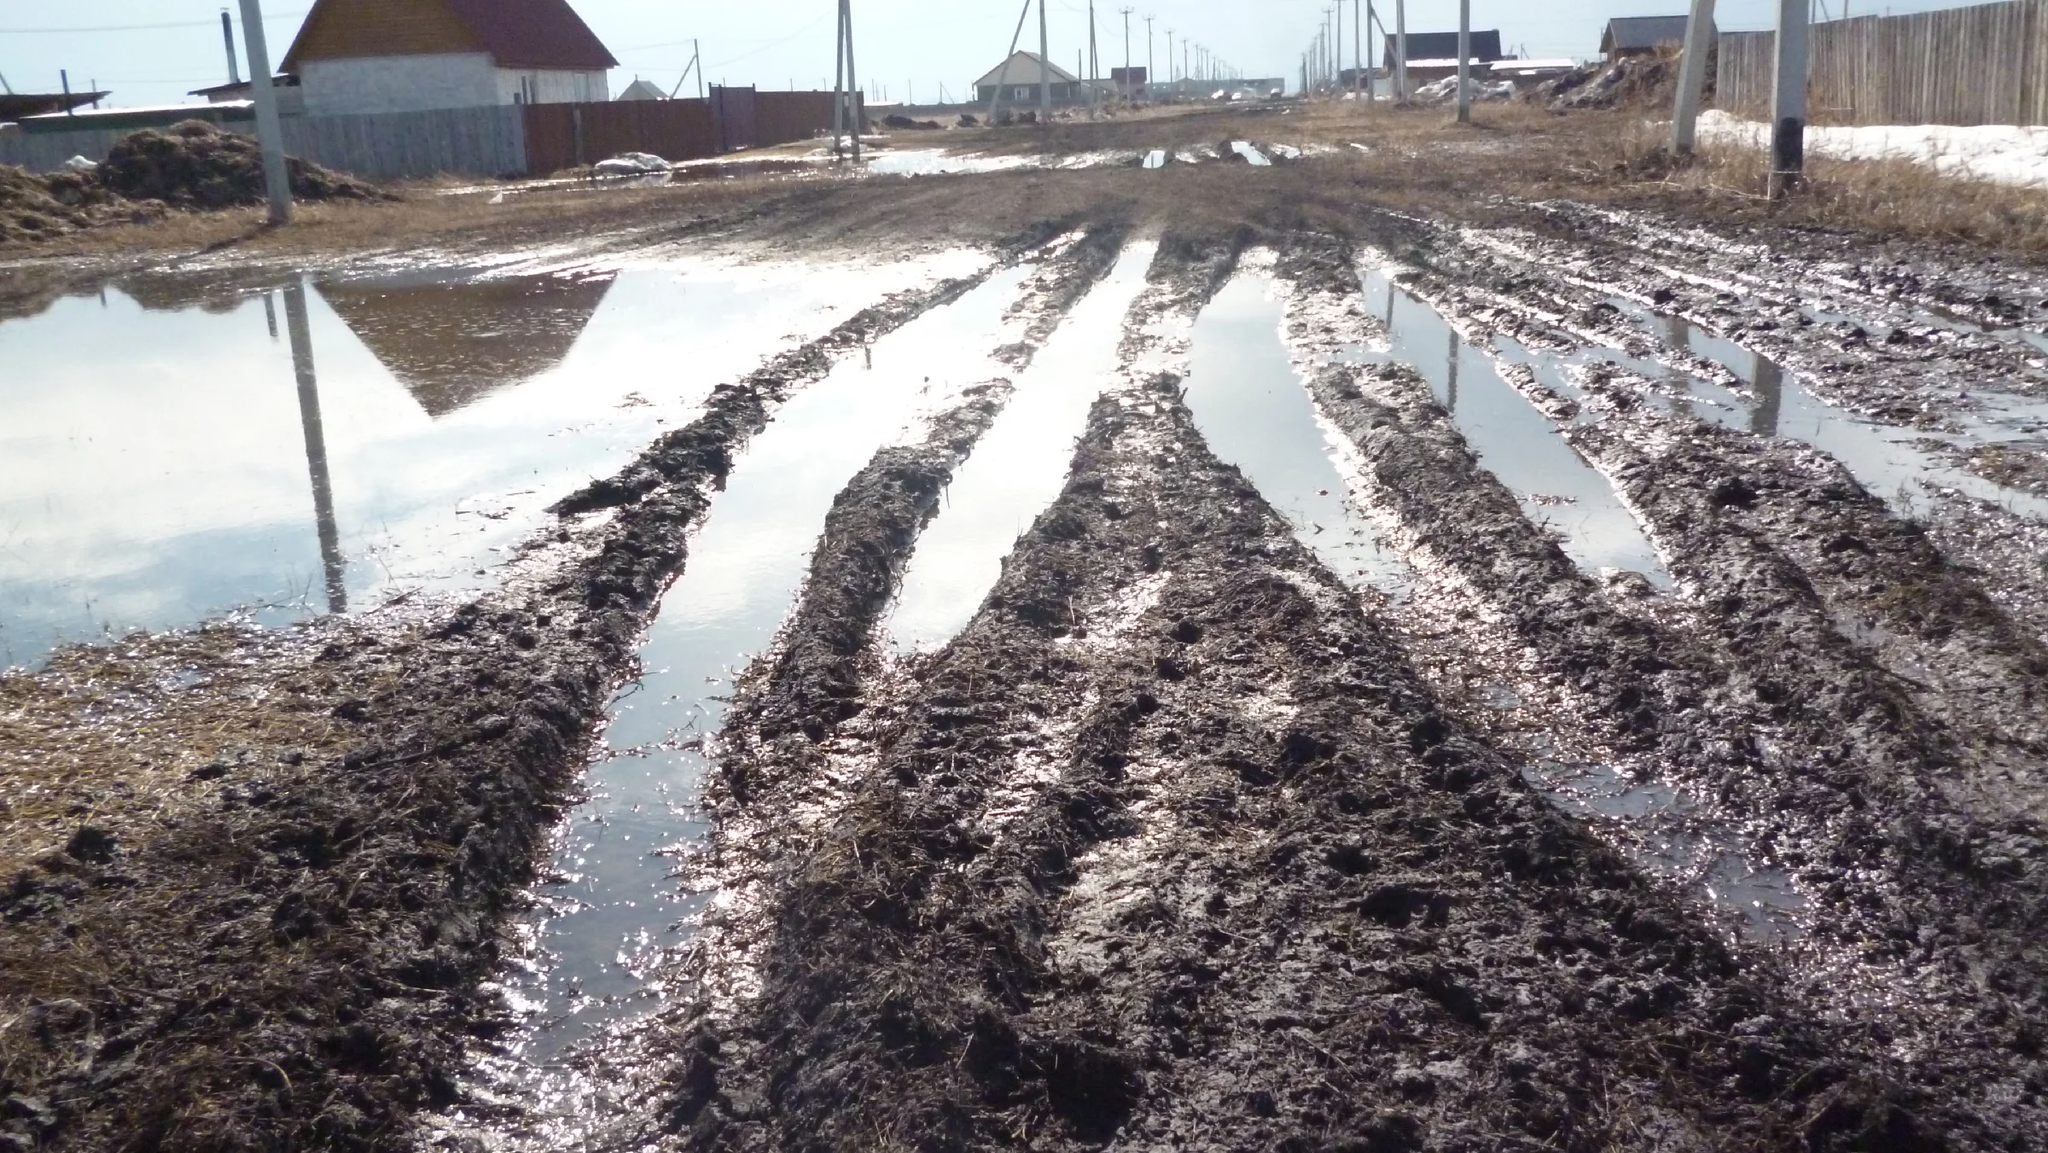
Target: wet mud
(1197, 834)
(1172, 846)
(296, 959)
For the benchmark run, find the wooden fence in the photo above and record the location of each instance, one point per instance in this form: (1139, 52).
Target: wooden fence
(404, 145)
(509, 140)
(387, 146)
(1985, 64)
(562, 136)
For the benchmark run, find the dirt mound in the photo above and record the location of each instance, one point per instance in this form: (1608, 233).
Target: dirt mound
(41, 207)
(195, 165)
(1632, 82)
(901, 122)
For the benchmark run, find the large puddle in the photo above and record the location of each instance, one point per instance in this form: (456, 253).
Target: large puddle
(1512, 439)
(1019, 467)
(614, 905)
(175, 449)
(1254, 413)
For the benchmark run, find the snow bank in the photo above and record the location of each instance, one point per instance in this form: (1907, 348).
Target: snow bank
(1999, 153)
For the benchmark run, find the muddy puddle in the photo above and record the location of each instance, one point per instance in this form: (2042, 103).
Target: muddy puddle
(1667, 835)
(1254, 413)
(1516, 442)
(613, 905)
(1019, 466)
(174, 451)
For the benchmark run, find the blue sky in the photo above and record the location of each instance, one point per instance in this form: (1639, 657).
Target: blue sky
(153, 51)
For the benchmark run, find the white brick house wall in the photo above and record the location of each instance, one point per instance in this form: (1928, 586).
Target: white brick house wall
(448, 80)
(530, 86)
(398, 83)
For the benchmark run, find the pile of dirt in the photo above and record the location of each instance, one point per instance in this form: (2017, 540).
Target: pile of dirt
(901, 122)
(195, 165)
(41, 207)
(1631, 82)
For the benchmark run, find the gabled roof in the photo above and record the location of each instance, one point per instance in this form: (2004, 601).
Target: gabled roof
(516, 33)
(643, 90)
(1444, 46)
(1632, 33)
(1024, 68)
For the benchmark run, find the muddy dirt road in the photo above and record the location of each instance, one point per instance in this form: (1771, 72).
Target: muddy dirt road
(1232, 663)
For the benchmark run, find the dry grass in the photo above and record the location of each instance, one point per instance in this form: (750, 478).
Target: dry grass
(1891, 199)
(119, 737)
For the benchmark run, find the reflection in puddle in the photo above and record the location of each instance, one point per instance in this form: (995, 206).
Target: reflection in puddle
(617, 906)
(1513, 440)
(175, 449)
(1889, 461)
(1254, 413)
(1019, 467)
(1675, 842)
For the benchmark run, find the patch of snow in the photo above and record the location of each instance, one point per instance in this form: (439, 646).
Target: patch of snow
(1252, 156)
(2003, 154)
(632, 164)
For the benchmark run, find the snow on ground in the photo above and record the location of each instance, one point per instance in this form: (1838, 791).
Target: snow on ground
(2000, 153)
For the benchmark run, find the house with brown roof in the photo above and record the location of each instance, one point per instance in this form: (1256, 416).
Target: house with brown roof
(356, 56)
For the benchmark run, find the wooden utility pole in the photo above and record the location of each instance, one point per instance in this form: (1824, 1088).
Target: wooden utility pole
(1692, 76)
(1788, 100)
(277, 179)
(995, 102)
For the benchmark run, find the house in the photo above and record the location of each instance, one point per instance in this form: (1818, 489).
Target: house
(1437, 47)
(1020, 77)
(359, 56)
(1641, 35)
(643, 90)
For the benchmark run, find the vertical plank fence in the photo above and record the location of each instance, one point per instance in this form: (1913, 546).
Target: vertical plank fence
(1984, 64)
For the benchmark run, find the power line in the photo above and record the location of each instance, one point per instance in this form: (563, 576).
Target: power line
(134, 27)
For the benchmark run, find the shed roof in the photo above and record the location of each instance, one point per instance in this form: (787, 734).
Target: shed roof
(1639, 33)
(516, 33)
(1024, 68)
(1444, 46)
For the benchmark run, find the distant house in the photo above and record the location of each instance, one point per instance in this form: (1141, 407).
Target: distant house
(414, 55)
(1020, 76)
(643, 90)
(1641, 35)
(1436, 47)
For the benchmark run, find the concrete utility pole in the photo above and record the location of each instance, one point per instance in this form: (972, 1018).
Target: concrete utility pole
(227, 33)
(1339, 46)
(277, 179)
(316, 442)
(1044, 69)
(1361, 39)
(1692, 76)
(853, 110)
(1094, 60)
(1400, 51)
(1464, 61)
(1169, 56)
(1151, 69)
(1127, 54)
(1788, 103)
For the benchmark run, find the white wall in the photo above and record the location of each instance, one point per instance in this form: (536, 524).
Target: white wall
(552, 87)
(398, 83)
